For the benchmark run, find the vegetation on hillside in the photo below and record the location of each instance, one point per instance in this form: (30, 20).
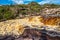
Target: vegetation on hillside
(14, 11)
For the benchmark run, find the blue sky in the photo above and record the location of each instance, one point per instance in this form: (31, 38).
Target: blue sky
(5, 2)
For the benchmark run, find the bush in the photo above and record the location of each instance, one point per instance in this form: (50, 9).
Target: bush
(7, 15)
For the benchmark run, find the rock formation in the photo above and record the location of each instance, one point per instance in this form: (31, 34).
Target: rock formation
(26, 27)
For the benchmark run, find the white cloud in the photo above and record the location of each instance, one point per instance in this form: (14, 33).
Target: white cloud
(42, 2)
(21, 1)
(18, 1)
(28, 0)
(49, 1)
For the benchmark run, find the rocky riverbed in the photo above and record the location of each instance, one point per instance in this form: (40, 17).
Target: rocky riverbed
(13, 29)
(31, 34)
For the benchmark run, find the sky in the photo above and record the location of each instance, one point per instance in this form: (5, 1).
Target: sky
(7, 2)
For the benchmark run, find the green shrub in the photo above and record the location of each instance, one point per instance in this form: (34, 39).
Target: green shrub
(7, 15)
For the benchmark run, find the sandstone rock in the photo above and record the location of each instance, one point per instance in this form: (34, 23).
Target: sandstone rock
(17, 26)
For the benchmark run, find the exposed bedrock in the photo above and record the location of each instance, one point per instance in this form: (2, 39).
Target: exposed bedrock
(31, 34)
(30, 28)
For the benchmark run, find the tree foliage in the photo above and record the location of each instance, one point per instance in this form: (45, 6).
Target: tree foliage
(13, 11)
